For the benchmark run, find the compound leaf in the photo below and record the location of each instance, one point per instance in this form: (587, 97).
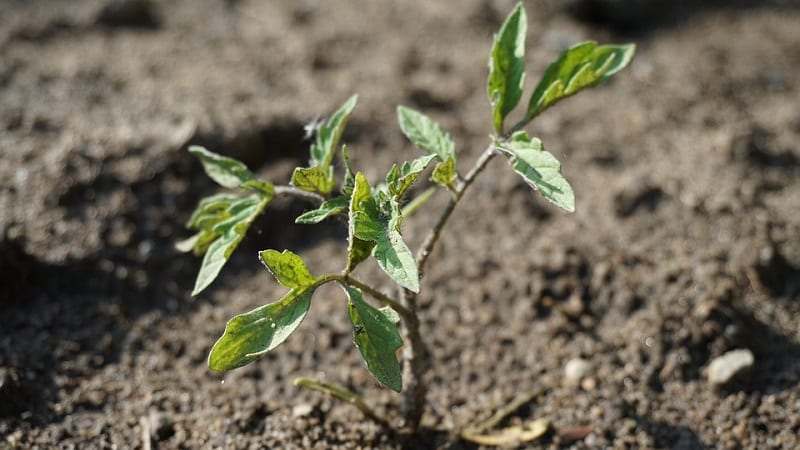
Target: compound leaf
(228, 172)
(425, 133)
(252, 334)
(327, 209)
(507, 66)
(231, 231)
(287, 267)
(581, 66)
(540, 169)
(376, 337)
(329, 134)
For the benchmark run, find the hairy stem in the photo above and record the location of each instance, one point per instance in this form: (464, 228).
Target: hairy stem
(415, 353)
(291, 191)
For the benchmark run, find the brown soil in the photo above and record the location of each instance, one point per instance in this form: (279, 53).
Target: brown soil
(685, 243)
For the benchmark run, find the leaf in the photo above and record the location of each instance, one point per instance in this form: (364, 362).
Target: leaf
(261, 187)
(507, 66)
(210, 211)
(358, 249)
(252, 334)
(329, 134)
(401, 178)
(231, 231)
(314, 179)
(287, 267)
(581, 66)
(540, 169)
(445, 173)
(186, 245)
(228, 172)
(509, 436)
(376, 337)
(349, 176)
(390, 251)
(425, 133)
(327, 209)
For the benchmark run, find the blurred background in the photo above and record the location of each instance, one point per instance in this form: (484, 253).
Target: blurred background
(685, 244)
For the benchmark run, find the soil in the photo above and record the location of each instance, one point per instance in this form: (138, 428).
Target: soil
(685, 243)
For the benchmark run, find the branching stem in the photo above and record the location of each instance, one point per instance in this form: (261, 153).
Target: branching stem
(415, 353)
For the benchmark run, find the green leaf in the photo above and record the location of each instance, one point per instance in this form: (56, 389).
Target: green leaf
(401, 178)
(581, 66)
(376, 337)
(358, 249)
(314, 179)
(390, 251)
(187, 245)
(210, 211)
(261, 187)
(231, 231)
(425, 133)
(329, 134)
(540, 169)
(327, 209)
(507, 66)
(445, 173)
(252, 334)
(349, 176)
(226, 171)
(287, 267)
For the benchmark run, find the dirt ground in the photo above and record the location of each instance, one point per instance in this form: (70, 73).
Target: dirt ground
(685, 243)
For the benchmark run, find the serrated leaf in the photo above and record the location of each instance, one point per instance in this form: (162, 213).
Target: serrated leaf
(581, 66)
(329, 134)
(314, 179)
(425, 133)
(252, 334)
(358, 249)
(540, 169)
(445, 173)
(228, 172)
(287, 267)
(327, 209)
(401, 178)
(507, 66)
(377, 339)
(231, 231)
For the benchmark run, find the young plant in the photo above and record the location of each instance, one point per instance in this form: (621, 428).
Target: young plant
(375, 212)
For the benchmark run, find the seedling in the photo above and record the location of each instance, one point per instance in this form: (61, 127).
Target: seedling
(375, 212)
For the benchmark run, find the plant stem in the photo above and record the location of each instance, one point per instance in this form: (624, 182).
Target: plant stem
(415, 353)
(291, 191)
(380, 296)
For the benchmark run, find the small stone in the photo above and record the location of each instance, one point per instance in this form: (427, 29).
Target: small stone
(302, 409)
(575, 370)
(730, 366)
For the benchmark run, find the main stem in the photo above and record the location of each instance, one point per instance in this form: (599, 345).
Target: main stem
(416, 353)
